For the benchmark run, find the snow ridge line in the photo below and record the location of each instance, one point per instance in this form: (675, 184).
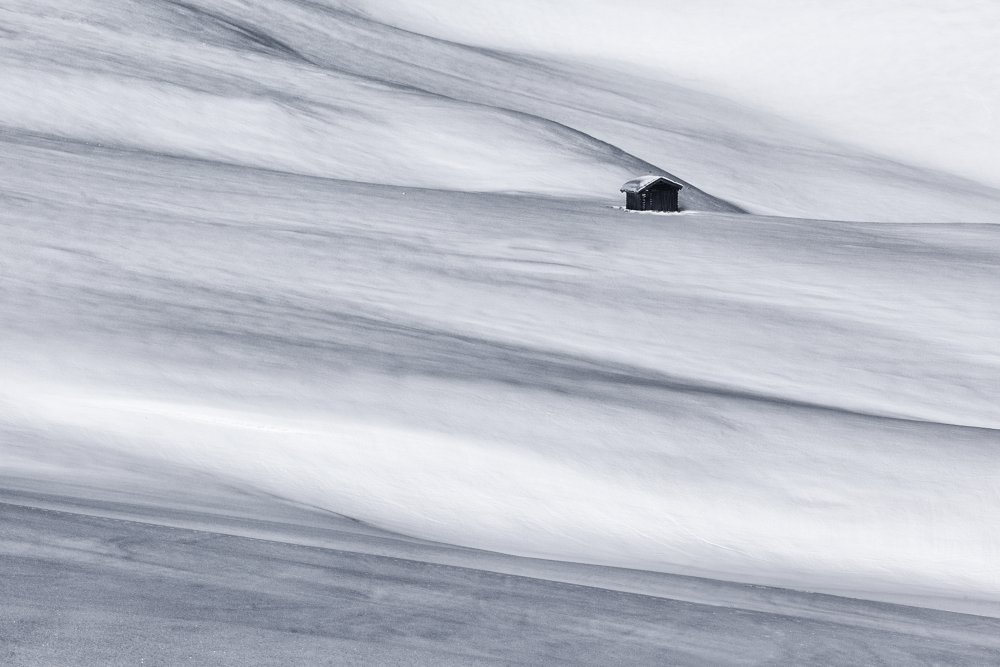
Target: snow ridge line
(268, 43)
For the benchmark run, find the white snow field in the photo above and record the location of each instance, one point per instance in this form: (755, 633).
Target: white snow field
(911, 79)
(323, 341)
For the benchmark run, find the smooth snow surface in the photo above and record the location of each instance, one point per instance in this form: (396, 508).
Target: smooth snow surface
(303, 255)
(318, 589)
(918, 80)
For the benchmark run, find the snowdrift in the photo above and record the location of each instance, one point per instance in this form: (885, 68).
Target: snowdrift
(300, 251)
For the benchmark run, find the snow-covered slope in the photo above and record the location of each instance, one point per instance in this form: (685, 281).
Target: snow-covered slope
(912, 79)
(301, 252)
(309, 88)
(288, 88)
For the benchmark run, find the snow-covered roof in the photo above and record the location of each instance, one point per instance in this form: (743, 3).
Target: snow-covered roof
(643, 182)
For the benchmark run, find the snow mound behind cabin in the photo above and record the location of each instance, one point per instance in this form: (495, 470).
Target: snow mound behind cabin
(911, 80)
(297, 89)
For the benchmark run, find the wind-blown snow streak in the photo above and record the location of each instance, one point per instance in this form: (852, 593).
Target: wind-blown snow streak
(303, 252)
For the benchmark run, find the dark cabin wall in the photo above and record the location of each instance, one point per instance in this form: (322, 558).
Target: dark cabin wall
(660, 197)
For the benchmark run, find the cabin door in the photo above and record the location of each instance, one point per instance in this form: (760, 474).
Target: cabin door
(656, 200)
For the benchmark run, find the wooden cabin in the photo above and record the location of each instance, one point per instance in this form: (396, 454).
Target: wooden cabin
(652, 193)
